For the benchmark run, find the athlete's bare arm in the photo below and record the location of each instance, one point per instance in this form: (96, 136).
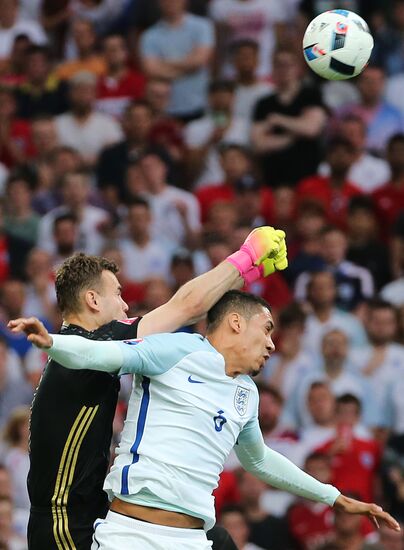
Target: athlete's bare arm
(192, 300)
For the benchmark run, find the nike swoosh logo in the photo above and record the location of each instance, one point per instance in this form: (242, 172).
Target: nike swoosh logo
(190, 379)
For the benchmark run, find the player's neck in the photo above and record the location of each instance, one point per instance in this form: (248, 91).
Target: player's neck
(225, 348)
(86, 321)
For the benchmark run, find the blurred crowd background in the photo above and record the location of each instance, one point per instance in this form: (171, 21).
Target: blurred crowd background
(158, 133)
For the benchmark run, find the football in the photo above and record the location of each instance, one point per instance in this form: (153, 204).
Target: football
(337, 44)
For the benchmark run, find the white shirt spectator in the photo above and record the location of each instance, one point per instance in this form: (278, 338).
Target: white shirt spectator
(276, 503)
(17, 463)
(350, 271)
(255, 19)
(368, 173)
(245, 98)
(394, 91)
(89, 137)
(100, 15)
(30, 10)
(15, 371)
(293, 372)
(35, 360)
(394, 292)
(30, 28)
(394, 410)
(337, 93)
(346, 322)
(90, 239)
(252, 546)
(296, 413)
(150, 261)
(167, 222)
(198, 133)
(316, 436)
(171, 43)
(3, 177)
(33, 304)
(384, 375)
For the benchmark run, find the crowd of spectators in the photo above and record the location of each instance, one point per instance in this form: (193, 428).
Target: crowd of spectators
(158, 133)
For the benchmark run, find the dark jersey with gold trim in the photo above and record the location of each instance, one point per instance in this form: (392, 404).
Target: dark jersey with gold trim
(71, 430)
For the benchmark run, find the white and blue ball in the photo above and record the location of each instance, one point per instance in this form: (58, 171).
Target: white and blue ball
(337, 44)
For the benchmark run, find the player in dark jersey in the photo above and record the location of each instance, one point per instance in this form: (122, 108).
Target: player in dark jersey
(71, 431)
(72, 412)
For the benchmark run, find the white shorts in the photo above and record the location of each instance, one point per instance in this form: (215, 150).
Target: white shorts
(118, 532)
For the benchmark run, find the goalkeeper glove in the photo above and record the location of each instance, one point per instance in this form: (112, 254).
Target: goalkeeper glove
(261, 243)
(278, 263)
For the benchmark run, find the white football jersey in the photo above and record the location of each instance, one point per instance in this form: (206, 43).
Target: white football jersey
(184, 417)
(192, 404)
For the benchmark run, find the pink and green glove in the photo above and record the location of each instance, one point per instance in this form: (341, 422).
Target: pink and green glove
(259, 253)
(268, 266)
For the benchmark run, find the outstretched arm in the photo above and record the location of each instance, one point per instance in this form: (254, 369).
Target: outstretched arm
(277, 470)
(263, 251)
(192, 300)
(74, 352)
(151, 356)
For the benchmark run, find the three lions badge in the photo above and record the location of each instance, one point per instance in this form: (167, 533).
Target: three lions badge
(241, 400)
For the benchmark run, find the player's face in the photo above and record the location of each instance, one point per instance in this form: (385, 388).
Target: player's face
(112, 307)
(257, 344)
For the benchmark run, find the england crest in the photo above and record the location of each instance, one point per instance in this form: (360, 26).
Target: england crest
(241, 400)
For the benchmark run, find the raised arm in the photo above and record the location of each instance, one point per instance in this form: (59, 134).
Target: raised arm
(275, 469)
(192, 300)
(265, 246)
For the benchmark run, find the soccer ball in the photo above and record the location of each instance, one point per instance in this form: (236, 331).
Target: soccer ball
(337, 44)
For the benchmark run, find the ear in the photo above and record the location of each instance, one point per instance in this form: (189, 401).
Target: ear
(91, 299)
(235, 322)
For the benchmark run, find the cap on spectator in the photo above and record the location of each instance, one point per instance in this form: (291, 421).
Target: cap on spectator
(247, 183)
(182, 255)
(83, 77)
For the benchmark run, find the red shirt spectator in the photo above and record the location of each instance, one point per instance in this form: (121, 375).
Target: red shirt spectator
(15, 135)
(273, 289)
(311, 524)
(4, 259)
(16, 145)
(114, 94)
(334, 200)
(226, 492)
(120, 84)
(389, 202)
(389, 199)
(133, 293)
(354, 468)
(207, 196)
(237, 164)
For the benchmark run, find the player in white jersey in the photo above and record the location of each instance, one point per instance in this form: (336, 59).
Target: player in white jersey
(192, 402)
